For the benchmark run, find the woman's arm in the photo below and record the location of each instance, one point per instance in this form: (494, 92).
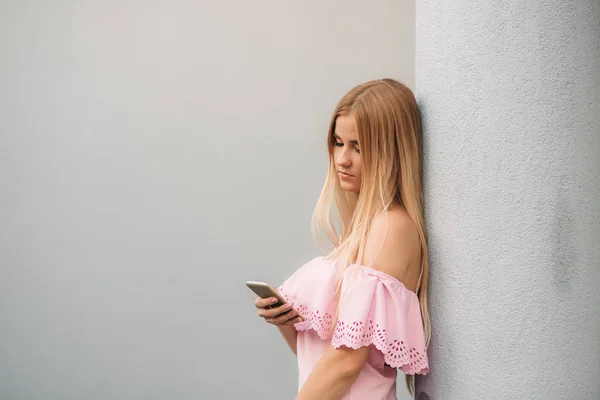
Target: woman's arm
(290, 335)
(335, 372)
(284, 317)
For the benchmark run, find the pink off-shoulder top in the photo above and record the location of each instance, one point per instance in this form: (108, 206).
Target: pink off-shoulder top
(379, 311)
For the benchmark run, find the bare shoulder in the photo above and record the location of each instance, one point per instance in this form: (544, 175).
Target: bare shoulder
(393, 246)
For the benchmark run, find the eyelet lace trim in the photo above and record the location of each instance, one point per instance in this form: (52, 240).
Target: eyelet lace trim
(397, 354)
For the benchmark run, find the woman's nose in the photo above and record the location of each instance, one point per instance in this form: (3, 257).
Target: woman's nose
(343, 159)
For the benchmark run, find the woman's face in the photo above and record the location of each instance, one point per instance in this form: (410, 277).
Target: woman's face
(346, 153)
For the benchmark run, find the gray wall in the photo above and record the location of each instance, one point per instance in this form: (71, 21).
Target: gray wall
(510, 93)
(153, 157)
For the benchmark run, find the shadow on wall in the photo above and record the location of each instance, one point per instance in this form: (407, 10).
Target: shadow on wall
(423, 396)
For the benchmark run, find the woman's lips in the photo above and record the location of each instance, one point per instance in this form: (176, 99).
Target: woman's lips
(344, 175)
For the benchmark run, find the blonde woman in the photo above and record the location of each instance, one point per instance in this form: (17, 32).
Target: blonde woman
(365, 302)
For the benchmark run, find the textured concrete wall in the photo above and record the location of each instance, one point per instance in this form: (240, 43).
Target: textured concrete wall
(510, 92)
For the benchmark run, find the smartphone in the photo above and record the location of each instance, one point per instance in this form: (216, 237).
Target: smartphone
(264, 291)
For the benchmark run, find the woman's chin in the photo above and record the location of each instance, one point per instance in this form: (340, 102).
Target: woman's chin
(349, 188)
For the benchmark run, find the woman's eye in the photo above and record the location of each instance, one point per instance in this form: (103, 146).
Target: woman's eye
(339, 144)
(357, 150)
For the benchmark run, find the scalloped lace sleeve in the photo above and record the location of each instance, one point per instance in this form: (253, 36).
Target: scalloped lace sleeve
(379, 311)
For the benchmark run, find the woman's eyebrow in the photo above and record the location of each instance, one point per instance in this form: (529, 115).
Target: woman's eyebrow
(352, 141)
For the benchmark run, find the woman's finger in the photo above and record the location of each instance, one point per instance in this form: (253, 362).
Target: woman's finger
(273, 312)
(262, 303)
(292, 317)
(280, 319)
(283, 319)
(292, 321)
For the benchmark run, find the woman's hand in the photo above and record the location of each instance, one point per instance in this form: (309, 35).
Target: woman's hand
(284, 315)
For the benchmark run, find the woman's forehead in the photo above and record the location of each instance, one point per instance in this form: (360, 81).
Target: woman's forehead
(345, 127)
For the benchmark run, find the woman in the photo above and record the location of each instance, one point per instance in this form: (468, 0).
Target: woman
(364, 305)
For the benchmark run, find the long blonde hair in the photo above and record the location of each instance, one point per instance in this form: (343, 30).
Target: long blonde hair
(389, 133)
